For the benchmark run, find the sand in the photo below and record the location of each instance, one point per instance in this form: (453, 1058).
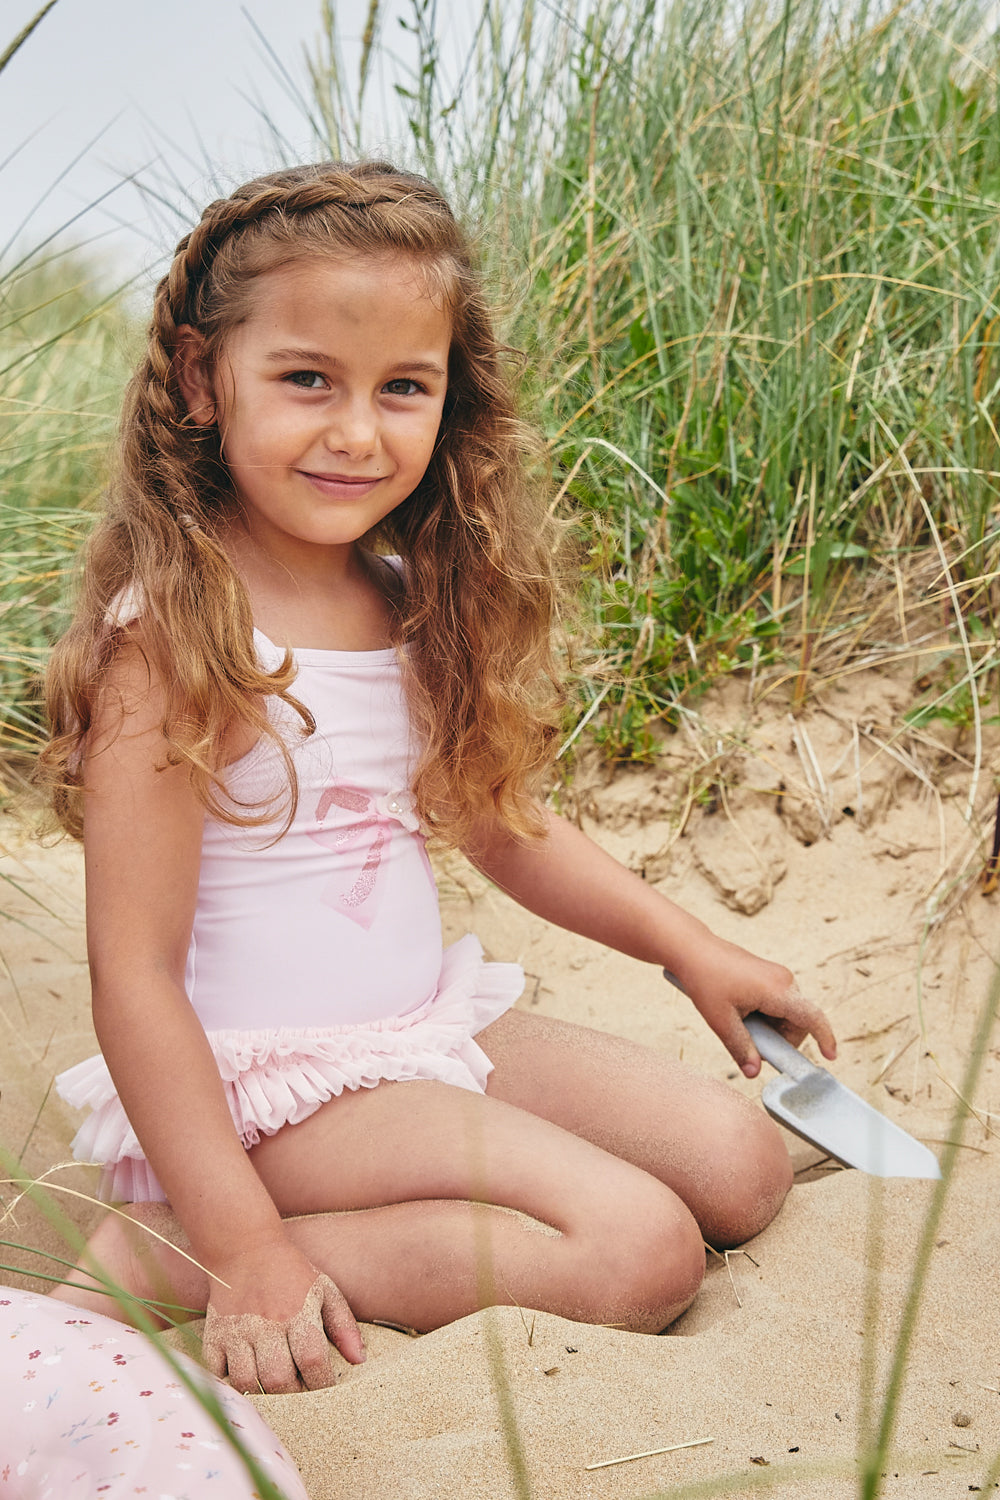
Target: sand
(838, 843)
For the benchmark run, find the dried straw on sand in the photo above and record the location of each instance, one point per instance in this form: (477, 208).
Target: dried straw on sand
(820, 843)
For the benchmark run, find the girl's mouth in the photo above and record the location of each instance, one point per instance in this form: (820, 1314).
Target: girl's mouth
(342, 486)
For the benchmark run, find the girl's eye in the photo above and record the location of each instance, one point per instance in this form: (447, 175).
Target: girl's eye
(309, 380)
(402, 387)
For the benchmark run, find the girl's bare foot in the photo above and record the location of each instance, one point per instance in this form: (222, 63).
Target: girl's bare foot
(128, 1259)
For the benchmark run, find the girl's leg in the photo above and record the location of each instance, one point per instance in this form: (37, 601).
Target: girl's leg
(718, 1151)
(430, 1202)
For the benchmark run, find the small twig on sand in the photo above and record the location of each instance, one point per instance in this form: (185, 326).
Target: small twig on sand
(894, 1058)
(982, 1115)
(811, 771)
(729, 1268)
(411, 1333)
(606, 1463)
(940, 1140)
(821, 1164)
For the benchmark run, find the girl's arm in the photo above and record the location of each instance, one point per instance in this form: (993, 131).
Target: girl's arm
(569, 880)
(142, 845)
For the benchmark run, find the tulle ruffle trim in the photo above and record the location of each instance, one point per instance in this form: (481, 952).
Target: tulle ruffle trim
(281, 1077)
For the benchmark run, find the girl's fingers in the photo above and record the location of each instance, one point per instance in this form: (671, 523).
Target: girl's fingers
(263, 1354)
(739, 1044)
(313, 1358)
(727, 1023)
(214, 1356)
(769, 988)
(790, 1015)
(254, 1351)
(275, 1362)
(341, 1328)
(825, 1039)
(800, 1018)
(312, 1331)
(242, 1367)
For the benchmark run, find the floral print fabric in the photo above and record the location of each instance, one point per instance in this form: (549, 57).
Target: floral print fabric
(92, 1408)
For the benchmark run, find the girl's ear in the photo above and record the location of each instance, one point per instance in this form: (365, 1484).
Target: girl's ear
(193, 376)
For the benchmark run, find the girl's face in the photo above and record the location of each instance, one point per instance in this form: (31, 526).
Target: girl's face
(328, 399)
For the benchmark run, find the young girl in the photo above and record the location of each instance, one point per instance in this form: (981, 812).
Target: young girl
(314, 629)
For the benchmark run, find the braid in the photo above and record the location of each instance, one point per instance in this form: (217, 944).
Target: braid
(360, 205)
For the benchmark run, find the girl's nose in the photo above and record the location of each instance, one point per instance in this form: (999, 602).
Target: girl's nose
(353, 430)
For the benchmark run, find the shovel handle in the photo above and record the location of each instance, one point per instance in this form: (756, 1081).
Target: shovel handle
(774, 1049)
(769, 1043)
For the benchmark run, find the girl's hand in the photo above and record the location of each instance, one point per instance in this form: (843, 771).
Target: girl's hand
(270, 1331)
(726, 983)
(567, 879)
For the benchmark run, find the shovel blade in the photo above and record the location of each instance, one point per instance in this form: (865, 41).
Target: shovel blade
(829, 1115)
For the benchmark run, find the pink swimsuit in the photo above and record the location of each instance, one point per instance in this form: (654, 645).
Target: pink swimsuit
(316, 961)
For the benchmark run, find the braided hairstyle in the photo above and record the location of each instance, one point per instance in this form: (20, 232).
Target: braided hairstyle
(479, 596)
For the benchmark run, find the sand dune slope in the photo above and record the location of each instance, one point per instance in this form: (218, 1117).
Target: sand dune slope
(832, 844)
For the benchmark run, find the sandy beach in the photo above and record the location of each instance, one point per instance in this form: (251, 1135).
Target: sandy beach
(839, 843)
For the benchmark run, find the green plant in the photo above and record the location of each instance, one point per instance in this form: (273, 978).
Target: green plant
(63, 341)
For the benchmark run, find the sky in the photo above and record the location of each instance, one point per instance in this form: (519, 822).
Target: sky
(165, 92)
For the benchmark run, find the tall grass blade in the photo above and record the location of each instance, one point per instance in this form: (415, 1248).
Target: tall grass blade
(24, 33)
(876, 1462)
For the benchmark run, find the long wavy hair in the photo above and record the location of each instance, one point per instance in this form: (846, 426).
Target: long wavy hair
(478, 596)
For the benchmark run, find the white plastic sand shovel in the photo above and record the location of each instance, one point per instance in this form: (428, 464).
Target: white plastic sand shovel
(809, 1101)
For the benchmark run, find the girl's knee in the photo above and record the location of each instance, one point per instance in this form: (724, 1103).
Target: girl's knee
(754, 1179)
(649, 1265)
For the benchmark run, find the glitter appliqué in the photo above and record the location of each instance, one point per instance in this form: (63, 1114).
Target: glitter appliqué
(374, 819)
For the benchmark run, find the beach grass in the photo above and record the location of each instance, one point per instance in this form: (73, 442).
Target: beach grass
(64, 342)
